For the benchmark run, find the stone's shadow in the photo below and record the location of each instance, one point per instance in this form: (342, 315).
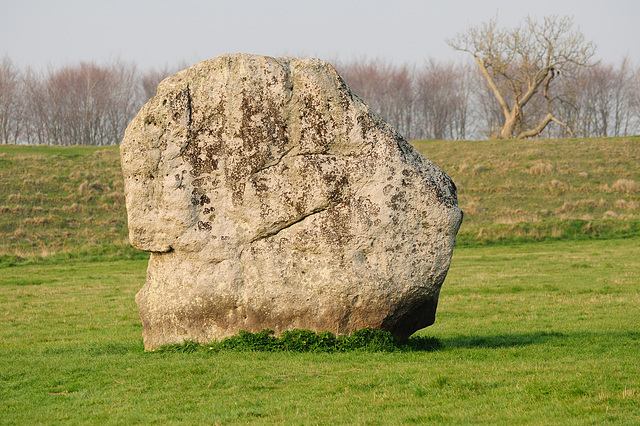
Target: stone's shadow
(432, 344)
(501, 340)
(421, 344)
(413, 344)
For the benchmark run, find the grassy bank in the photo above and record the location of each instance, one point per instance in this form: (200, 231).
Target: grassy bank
(534, 190)
(68, 202)
(64, 201)
(541, 333)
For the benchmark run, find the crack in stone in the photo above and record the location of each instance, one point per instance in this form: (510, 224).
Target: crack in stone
(327, 154)
(261, 169)
(190, 131)
(289, 224)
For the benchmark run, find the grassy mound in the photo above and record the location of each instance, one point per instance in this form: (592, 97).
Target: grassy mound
(61, 202)
(536, 190)
(68, 202)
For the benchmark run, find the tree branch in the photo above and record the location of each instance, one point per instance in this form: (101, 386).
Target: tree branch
(540, 77)
(492, 84)
(555, 120)
(543, 124)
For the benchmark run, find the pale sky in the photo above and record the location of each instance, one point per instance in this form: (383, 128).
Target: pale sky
(154, 33)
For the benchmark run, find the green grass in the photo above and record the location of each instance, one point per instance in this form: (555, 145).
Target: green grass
(296, 340)
(543, 333)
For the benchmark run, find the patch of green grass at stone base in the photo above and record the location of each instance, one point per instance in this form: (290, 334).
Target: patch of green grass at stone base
(543, 333)
(296, 340)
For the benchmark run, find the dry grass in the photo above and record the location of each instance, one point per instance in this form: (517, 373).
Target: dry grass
(556, 184)
(38, 220)
(626, 185)
(624, 205)
(73, 208)
(19, 233)
(541, 168)
(507, 189)
(581, 205)
(549, 183)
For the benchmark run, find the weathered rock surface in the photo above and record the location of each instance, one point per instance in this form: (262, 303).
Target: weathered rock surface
(271, 197)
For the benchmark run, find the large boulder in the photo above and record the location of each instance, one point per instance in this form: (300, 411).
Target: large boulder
(270, 196)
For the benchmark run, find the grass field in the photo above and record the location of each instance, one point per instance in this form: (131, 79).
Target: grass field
(531, 332)
(543, 333)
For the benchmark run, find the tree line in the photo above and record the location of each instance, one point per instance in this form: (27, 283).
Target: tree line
(537, 79)
(91, 104)
(82, 104)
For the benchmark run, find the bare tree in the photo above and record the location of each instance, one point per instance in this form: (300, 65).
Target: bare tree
(76, 98)
(441, 101)
(521, 64)
(387, 88)
(149, 82)
(123, 101)
(634, 98)
(601, 101)
(487, 113)
(622, 99)
(44, 113)
(11, 102)
(595, 100)
(86, 104)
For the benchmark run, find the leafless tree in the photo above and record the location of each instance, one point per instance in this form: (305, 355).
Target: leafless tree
(601, 101)
(487, 113)
(123, 102)
(76, 98)
(521, 64)
(420, 102)
(387, 88)
(634, 99)
(149, 81)
(11, 102)
(595, 101)
(441, 101)
(85, 104)
(622, 99)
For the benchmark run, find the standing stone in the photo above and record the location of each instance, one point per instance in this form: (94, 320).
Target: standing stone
(270, 196)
